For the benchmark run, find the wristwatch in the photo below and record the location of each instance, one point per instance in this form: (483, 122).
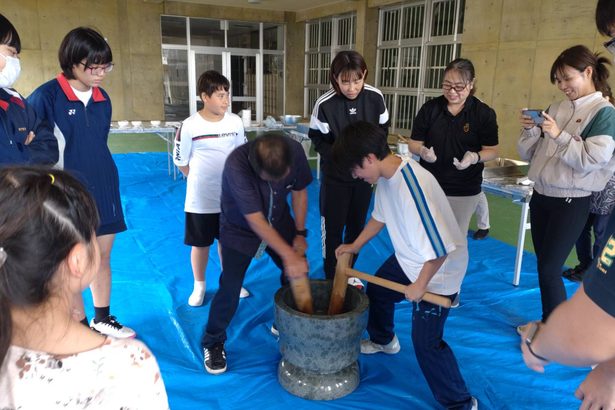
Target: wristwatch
(301, 232)
(531, 335)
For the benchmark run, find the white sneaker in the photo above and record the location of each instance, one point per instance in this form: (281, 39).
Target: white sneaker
(243, 293)
(111, 327)
(356, 282)
(369, 347)
(198, 294)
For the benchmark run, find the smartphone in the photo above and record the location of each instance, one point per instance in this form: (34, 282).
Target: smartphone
(536, 116)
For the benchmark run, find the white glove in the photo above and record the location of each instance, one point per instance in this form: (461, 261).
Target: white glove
(427, 154)
(469, 158)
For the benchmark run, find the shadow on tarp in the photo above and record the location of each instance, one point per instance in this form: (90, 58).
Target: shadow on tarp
(152, 281)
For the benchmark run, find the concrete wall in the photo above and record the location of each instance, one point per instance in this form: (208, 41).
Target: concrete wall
(132, 28)
(513, 44)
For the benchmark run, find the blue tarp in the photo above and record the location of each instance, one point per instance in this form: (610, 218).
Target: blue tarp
(152, 280)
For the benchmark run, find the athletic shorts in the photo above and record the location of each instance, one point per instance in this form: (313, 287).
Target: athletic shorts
(201, 229)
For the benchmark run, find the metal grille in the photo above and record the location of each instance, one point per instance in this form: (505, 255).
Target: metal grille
(325, 33)
(406, 109)
(390, 25)
(388, 67)
(410, 67)
(325, 38)
(313, 69)
(437, 59)
(345, 31)
(412, 21)
(443, 18)
(313, 30)
(416, 42)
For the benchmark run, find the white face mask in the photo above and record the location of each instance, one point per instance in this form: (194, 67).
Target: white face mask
(10, 72)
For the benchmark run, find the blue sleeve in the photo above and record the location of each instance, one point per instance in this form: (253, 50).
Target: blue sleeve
(44, 147)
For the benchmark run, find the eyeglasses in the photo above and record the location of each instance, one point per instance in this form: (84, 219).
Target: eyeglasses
(107, 68)
(457, 88)
(610, 45)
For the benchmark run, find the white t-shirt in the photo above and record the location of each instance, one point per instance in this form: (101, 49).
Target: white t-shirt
(204, 146)
(421, 225)
(120, 374)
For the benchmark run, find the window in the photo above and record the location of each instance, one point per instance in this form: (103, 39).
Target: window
(249, 54)
(324, 38)
(415, 43)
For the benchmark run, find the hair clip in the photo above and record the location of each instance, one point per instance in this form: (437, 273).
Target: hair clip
(53, 179)
(2, 256)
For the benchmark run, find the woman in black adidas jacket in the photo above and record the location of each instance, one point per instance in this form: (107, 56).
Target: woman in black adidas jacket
(344, 201)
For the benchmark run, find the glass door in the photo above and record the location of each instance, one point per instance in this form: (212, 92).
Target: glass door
(245, 82)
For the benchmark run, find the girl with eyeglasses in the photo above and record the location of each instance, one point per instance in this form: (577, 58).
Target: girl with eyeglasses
(48, 255)
(453, 135)
(24, 138)
(80, 112)
(571, 156)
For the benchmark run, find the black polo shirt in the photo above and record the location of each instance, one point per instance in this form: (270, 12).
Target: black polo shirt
(451, 136)
(244, 192)
(599, 280)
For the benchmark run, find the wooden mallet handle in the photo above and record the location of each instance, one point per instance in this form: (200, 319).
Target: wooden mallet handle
(398, 287)
(340, 284)
(302, 293)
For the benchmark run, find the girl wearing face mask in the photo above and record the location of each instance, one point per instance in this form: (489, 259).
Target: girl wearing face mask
(344, 201)
(23, 137)
(571, 156)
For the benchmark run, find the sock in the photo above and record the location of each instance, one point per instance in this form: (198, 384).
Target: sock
(101, 313)
(85, 322)
(198, 293)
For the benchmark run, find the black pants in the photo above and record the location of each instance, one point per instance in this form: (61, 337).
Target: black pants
(224, 304)
(341, 206)
(556, 226)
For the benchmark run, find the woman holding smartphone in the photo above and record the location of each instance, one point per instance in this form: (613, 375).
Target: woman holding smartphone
(571, 156)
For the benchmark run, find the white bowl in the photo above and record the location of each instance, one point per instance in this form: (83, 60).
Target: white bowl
(122, 124)
(136, 123)
(155, 123)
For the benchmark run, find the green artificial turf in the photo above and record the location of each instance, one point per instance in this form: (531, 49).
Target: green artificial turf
(123, 143)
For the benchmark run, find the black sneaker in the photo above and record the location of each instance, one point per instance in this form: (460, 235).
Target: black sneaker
(575, 274)
(480, 234)
(215, 358)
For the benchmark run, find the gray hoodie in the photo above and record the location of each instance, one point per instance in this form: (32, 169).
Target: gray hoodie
(580, 160)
